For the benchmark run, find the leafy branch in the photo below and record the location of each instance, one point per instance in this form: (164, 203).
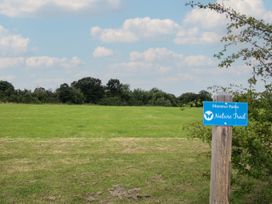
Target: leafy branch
(251, 39)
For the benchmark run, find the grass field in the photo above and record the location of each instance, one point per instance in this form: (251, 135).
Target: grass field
(96, 154)
(66, 121)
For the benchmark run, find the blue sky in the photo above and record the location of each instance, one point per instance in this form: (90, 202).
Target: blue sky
(146, 44)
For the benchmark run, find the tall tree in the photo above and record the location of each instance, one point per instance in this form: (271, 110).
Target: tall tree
(91, 88)
(6, 91)
(41, 94)
(69, 94)
(113, 88)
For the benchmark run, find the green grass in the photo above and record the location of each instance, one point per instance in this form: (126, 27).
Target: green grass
(55, 121)
(69, 170)
(84, 154)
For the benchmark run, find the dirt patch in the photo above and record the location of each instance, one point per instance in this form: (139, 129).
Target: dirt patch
(92, 197)
(52, 198)
(122, 193)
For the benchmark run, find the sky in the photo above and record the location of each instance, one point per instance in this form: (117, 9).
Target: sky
(146, 44)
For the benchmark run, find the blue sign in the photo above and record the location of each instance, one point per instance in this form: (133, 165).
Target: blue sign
(225, 114)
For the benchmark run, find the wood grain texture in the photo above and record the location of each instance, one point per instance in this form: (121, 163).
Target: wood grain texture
(221, 160)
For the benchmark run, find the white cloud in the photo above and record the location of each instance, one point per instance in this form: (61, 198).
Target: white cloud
(164, 69)
(208, 19)
(159, 67)
(249, 7)
(204, 18)
(197, 60)
(163, 61)
(15, 8)
(155, 55)
(199, 26)
(113, 35)
(147, 27)
(12, 44)
(102, 52)
(2, 29)
(195, 36)
(75, 61)
(165, 56)
(7, 62)
(39, 62)
(54, 62)
(13, 50)
(136, 29)
(203, 26)
(96, 31)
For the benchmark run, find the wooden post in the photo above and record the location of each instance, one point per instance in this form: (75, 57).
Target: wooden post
(221, 160)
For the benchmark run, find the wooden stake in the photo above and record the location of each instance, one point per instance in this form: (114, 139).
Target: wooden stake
(221, 160)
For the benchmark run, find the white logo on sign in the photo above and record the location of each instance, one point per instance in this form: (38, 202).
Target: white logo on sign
(208, 115)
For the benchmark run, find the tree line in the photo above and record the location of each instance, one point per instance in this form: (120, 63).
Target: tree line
(89, 90)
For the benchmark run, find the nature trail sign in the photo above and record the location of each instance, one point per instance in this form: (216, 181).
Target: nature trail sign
(225, 113)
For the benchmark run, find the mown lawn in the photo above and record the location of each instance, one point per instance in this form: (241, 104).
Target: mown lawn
(65, 121)
(116, 170)
(97, 154)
